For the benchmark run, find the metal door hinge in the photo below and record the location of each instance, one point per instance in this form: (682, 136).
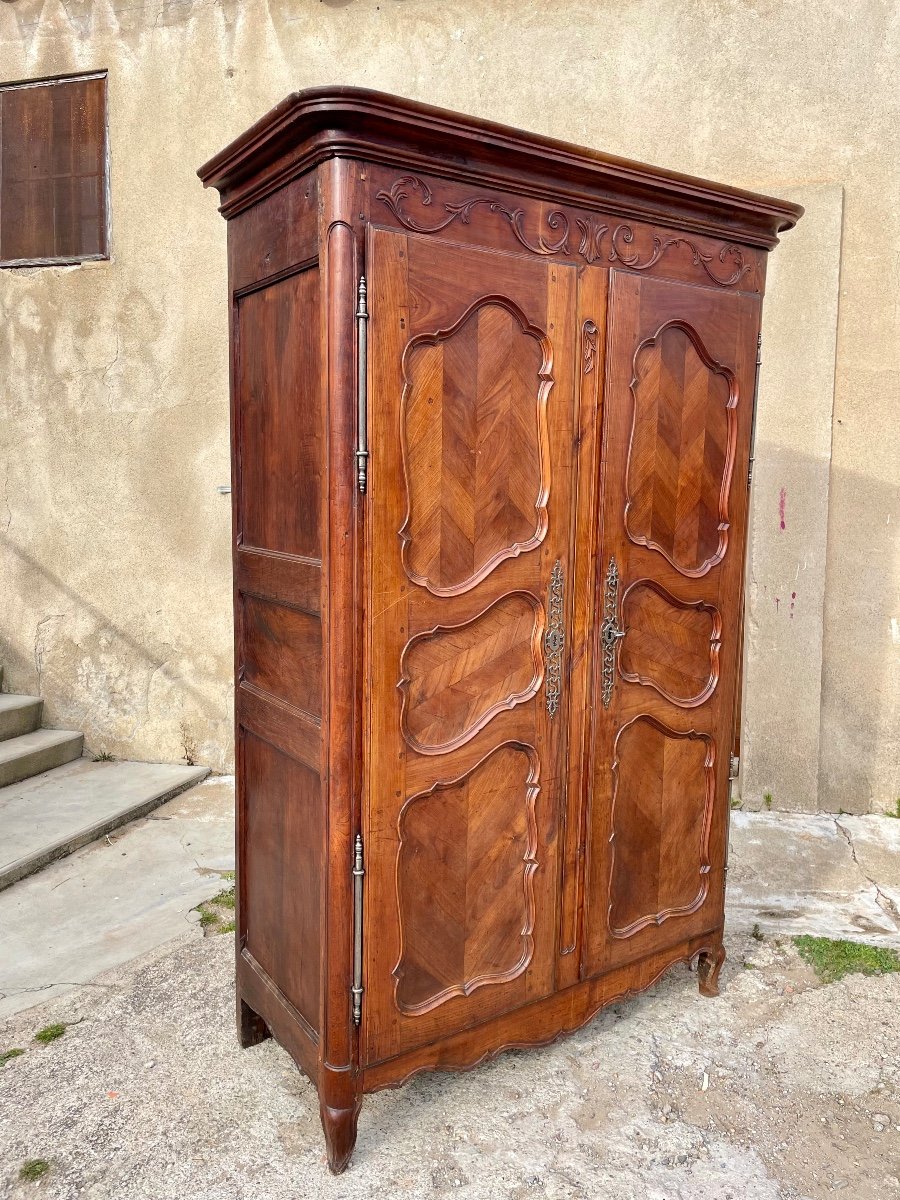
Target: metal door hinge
(753, 416)
(362, 436)
(734, 767)
(356, 991)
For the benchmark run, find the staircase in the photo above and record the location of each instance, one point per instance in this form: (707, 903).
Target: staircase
(53, 801)
(25, 748)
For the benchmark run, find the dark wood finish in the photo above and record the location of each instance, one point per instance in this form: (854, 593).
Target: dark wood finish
(53, 171)
(560, 373)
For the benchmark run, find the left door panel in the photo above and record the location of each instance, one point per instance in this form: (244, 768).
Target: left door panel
(471, 412)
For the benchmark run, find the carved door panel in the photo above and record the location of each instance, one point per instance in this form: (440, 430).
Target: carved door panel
(679, 394)
(471, 409)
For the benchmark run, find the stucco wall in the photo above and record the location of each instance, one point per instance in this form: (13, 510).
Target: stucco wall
(114, 553)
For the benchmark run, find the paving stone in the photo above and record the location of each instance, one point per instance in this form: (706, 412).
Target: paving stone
(50, 815)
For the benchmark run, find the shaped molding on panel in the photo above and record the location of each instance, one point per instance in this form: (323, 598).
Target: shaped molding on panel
(681, 451)
(473, 426)
(456, 678)
(470, 845)
(663, 794)
(671, 645)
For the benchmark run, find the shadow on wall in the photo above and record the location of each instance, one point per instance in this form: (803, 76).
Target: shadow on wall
(818, 722)
(94, 675)
(814, 735)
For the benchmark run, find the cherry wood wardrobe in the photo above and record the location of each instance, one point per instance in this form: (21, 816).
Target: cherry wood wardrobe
(492, 423)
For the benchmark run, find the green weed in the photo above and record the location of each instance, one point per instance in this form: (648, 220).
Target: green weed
(832, 959)
(34, 1168)
(50, 1033)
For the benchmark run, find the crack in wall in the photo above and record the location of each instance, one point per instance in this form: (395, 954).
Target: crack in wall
(6, 498)
(885, 903)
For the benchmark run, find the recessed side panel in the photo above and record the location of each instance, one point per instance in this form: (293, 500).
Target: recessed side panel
(278, 473)
(279, 417)
(283, 653)
(281, 870)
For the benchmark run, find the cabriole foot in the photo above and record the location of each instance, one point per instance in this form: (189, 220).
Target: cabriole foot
(339, 1125)
(709, 964)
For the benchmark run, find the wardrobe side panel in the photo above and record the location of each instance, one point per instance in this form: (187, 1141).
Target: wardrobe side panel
(278, 449)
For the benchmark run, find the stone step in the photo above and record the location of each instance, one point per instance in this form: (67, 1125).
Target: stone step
(55, 814)
(30, 753)
(18, 715)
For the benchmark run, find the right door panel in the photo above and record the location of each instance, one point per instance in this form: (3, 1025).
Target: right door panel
(678, 408)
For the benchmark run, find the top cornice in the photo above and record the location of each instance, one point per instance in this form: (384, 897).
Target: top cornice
(319, 123)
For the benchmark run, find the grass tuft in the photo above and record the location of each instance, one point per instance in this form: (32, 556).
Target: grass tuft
(104, 756)
(894, 812)
(832, 959)
(6, 1055)
(50, 1033)
(225, 899)
(34, 1168)
(767, 800)
(215, 913)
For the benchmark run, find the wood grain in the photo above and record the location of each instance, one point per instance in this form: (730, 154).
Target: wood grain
(670, 644)
(474, 436)
(679, 361)
(681, 452)
(456, 678)
(471, 845)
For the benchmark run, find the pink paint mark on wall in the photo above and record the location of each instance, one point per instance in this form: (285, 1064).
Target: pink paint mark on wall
(781, 499)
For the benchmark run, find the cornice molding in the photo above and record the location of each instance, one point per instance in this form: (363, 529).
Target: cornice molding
(320, 123)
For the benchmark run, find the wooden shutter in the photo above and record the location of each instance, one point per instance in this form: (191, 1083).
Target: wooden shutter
(53, 165)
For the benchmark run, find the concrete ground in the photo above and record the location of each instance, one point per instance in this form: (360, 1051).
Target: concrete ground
(53, 814)
(128, 893)
(781, 1089)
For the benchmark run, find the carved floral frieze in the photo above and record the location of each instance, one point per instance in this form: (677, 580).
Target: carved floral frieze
(725, 267)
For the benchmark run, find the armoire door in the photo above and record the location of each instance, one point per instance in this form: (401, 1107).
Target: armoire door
(668, 600)
(471, 405)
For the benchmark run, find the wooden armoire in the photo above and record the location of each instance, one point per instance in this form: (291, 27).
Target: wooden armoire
(492, 422)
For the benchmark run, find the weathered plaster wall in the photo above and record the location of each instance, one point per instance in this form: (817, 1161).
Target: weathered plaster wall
(114, 559)
(786, 576)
